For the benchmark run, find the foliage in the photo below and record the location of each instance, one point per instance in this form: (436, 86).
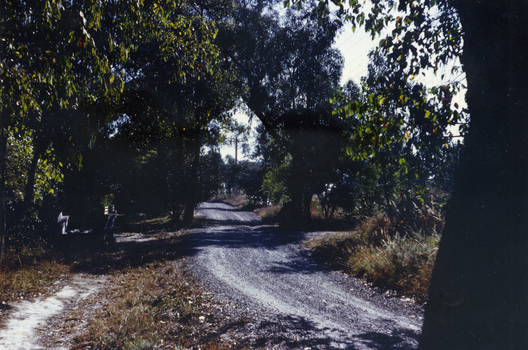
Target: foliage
(274, 185)
(62, 72)
(479, 226)
(399, 263)
(19, 156)
(288, 70)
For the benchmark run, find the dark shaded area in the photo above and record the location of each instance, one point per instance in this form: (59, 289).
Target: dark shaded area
(478, 291)
(135, 246)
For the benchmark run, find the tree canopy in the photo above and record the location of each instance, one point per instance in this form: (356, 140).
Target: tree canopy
(63, 69)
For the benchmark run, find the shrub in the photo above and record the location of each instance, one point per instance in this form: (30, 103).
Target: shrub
(403, 263)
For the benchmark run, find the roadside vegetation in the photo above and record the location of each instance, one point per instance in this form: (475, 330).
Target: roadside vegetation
(28, 270)
(151, 300)
(399, 263)
(154, 306)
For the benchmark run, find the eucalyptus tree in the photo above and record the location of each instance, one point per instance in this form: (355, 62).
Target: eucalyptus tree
(43, 46)
(400, 130)
(477, 296)
(168, 106)
(289, 71)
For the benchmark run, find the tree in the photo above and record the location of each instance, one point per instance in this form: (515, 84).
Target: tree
(42, 55)
(168, 107)
(68, 56)
(290, 71)
(477, 296)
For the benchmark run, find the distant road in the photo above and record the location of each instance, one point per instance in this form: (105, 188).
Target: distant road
(291, 301)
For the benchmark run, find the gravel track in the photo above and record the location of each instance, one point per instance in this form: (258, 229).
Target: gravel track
(287, 299)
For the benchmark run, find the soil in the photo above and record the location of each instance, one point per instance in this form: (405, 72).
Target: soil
(261, 286)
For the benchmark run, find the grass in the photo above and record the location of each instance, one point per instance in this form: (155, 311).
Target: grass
(150, 307)
(151, 302)
(401, 263)
(269, 213)
(28, 270)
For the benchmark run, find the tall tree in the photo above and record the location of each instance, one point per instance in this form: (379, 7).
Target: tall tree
(477, 297)
(68, 55)
(289, 70)
(169, 104)
(44, 47)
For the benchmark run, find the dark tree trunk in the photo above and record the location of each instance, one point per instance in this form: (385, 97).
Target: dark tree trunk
(193, 182)
(478, 295)
(307, 206)
(3, 150)
(297, 189)
(29, 191)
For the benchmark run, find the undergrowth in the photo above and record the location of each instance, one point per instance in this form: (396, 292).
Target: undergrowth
(402, 263)
(27, 269)
(150, 307)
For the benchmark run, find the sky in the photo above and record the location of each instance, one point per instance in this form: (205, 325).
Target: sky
(355, 47)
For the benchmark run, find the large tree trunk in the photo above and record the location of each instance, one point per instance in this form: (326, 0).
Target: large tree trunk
(3, 150)
(478, 295)
(297, 187)
(193, 181)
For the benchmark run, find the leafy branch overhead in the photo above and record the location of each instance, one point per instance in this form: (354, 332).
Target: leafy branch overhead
(423, 38)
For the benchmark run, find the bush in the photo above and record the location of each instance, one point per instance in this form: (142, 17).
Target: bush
(403, 263)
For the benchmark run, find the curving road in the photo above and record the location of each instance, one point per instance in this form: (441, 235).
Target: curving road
(288, 299)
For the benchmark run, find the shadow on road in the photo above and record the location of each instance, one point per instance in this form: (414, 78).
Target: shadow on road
(221, 228)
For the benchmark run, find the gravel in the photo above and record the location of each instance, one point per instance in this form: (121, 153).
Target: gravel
(287, 300)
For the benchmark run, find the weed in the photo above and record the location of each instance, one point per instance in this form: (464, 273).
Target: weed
(269, 213)
(27, 270)
(401, 263)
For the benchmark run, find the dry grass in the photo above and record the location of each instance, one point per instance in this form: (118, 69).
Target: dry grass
(269, 213)
(28, 270)
(239, 201)
(400, 263)
(156, 306)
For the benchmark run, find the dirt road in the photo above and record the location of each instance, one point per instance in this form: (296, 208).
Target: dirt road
(288, 299)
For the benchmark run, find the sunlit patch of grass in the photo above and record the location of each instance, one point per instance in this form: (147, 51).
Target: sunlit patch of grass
(403, 264)
(400, 263)
(148, 225)
(269, 213)
(27, 271)
(149, 307)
